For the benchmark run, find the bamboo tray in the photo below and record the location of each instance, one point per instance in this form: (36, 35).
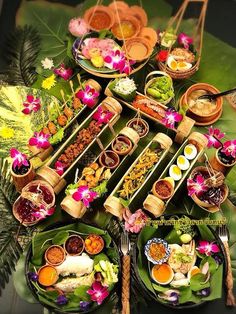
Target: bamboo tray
(48, 174)
(76, 208)
(113, 204)
(182, 131)
(43, 154)
(155, 205)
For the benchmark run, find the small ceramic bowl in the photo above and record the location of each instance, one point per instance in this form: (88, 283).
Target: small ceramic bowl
(94, 244)
(113, 155)
(126, 23)
(126, 141)
(135, 123)
(160, 183)
(50, 255)
(99, 17)
(77, 247)
(44, 278)
(137, 48)
(203, 118)
(161, 242)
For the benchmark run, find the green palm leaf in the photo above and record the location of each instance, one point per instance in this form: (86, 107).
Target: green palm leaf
(21, 51)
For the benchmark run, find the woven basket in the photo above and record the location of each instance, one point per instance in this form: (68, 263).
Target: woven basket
(197, 35)
(150, 78)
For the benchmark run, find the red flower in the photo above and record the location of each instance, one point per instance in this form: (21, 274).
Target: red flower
(162, 55)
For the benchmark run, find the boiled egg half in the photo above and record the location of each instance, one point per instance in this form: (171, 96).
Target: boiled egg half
(175, 172)
(190, 151)
(183, 163)
(193, 271)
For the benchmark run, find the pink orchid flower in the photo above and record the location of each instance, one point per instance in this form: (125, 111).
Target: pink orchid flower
(59, 167)
(31, 104)
(207, 248)
(85, 195)
(127, 69)
(115, 60)
(171, 118)
(40, 140)
(214, 136)
(88, 96)
(78, 27)
(98, 292)
(134, 222)
(184, 40)
(102, 116)
(43, 212)
(229, 148)
(19, 159)
(196, 186)
(63, 72)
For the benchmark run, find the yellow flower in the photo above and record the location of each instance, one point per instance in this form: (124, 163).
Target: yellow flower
(49, 82)
(6, 132)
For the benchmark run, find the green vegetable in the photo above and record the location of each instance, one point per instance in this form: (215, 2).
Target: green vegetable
(185, 238)
(161, 88)
(108, 270)
(101, 188)
(197, 282)
(70, 188)
(183, 258)
(57, 138)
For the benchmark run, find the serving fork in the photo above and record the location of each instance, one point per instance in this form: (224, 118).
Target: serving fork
(223, 234)
(125, 249)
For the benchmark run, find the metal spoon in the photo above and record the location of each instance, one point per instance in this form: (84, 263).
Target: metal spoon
(211, 97)
(108, 160)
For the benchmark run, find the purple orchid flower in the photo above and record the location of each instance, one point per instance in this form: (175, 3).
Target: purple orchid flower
(196, 186)
(127, 69)
(185, 40)
(63, 72)
(84, 305)
(31, 104)
(208, 248)
(98, 292)
(88, 96)
(214, 136)
(85, 195)
(102, 116)
(43, 212)
(229, 148)
(19, 159)
(171, 118)
(33, 276)
(62, 300)
(59, 168)
(40, 140)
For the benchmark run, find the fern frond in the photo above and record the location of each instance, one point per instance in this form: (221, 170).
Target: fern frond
(21, 51)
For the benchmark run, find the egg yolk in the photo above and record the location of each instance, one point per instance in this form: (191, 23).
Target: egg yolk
(173, 65)
(182, 64)
(181, 160)
(176, 170)
(194, 271)
(188, 150)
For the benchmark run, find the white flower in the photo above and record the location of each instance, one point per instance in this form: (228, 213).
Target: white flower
(47, 63)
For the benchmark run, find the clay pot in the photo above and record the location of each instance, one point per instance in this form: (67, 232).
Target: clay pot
(201, 203)
(138, 121)
(203, 118)
(137, 48)
(113, 155)
(122, 139)
(21, 180)
(80, 251)
(218, 165)
(101, 14)
(156, 192)
(46, 255)
(125, 19)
